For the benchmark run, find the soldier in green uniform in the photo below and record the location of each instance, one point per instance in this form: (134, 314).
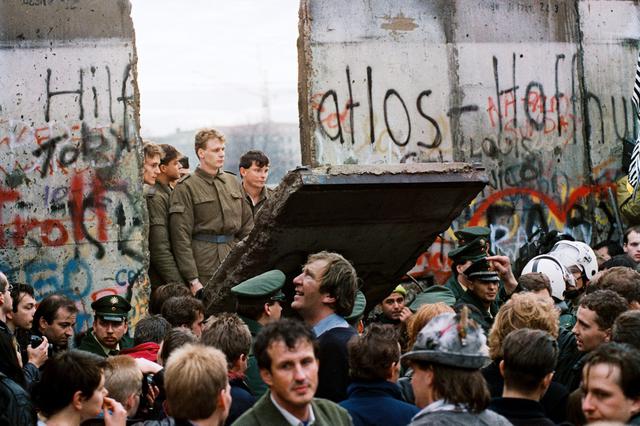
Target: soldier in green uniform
(462, 257)
(259, 301)
(254, 170)
(108, 336)
(207, 214)
(162, 264)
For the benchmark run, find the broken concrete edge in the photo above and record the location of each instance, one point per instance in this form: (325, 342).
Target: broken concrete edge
(305, 60)
(239, 266)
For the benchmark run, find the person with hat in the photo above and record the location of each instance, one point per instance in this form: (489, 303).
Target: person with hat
(448, 386)
(108, 336)
(482, 292)
(394, 309)
(355, 317)
(259, 303)
(473, 244)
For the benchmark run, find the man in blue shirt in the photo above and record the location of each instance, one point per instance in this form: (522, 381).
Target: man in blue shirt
(325, 292)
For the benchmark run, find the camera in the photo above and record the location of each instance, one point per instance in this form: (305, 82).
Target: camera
(36, 341)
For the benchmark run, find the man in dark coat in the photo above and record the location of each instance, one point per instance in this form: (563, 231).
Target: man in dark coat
(374, 398)
(325, 293)
(108, 336)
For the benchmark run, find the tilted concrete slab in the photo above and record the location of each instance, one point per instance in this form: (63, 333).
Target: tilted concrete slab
(379, 217)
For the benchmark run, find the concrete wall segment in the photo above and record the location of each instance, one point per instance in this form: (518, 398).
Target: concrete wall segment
(538, 92)
(72, 214)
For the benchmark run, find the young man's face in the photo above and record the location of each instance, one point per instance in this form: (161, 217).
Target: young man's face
(293, 377)
(151, 169)
(486, 291)
(61, 328)
(7, 300)
(197, 325)
(255, 176)
(603, 398)
(392, 306)
(212, 155)
(588, 334)
(632, 246)
(307, 297)
(109, 333)
(171, 170)
(23, 318)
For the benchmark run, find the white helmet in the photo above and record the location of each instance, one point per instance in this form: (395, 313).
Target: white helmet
(559, 276)
(576, 253)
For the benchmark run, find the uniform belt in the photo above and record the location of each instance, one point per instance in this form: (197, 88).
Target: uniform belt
(213, 238)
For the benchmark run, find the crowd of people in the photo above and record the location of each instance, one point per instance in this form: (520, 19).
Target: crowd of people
(555, 341)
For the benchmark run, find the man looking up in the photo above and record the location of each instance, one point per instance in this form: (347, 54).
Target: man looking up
(55, 319)
(289, 366)
(207, 215)
(254, 170)
(108, 336)
(162, 264)
(152, 156)
(325, 292)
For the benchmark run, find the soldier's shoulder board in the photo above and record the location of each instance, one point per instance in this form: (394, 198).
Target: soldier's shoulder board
(231, 173)
(183, 178)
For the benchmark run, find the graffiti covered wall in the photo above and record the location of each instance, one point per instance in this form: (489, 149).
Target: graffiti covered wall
(71, 208)
(539, 92)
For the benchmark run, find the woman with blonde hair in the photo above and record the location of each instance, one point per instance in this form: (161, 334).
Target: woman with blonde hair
(525, 310)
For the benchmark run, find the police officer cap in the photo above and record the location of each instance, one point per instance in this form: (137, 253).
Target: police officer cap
(466, 235)
(358, 307)
(481, 270)
(451, 339)
(434, 294)
(268, 283)
(111, 308)
(475, 250)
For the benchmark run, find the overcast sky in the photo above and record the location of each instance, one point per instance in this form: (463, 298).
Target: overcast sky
(210, 62)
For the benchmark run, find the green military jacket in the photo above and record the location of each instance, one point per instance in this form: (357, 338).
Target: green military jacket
(264, 196)
(162, 265)
(455, 287)
(483, 317)
(202, 204)
(90, 344)
(254, 380)
(264, 413)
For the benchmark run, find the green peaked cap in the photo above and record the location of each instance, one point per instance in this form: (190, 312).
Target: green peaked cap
(261, 285)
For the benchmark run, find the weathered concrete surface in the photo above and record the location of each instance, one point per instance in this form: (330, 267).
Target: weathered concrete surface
(72, 214)
(539, 92)
(379, 217)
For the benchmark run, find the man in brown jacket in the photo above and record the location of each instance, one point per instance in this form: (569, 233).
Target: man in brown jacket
(162, 266)
(207, 213)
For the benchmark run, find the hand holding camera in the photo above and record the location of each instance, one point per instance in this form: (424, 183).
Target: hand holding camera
(38, 350)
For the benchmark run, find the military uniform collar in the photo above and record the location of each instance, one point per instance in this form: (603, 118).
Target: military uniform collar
(162, 188)
(209, 178)
(264, 194)
(105, 349)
